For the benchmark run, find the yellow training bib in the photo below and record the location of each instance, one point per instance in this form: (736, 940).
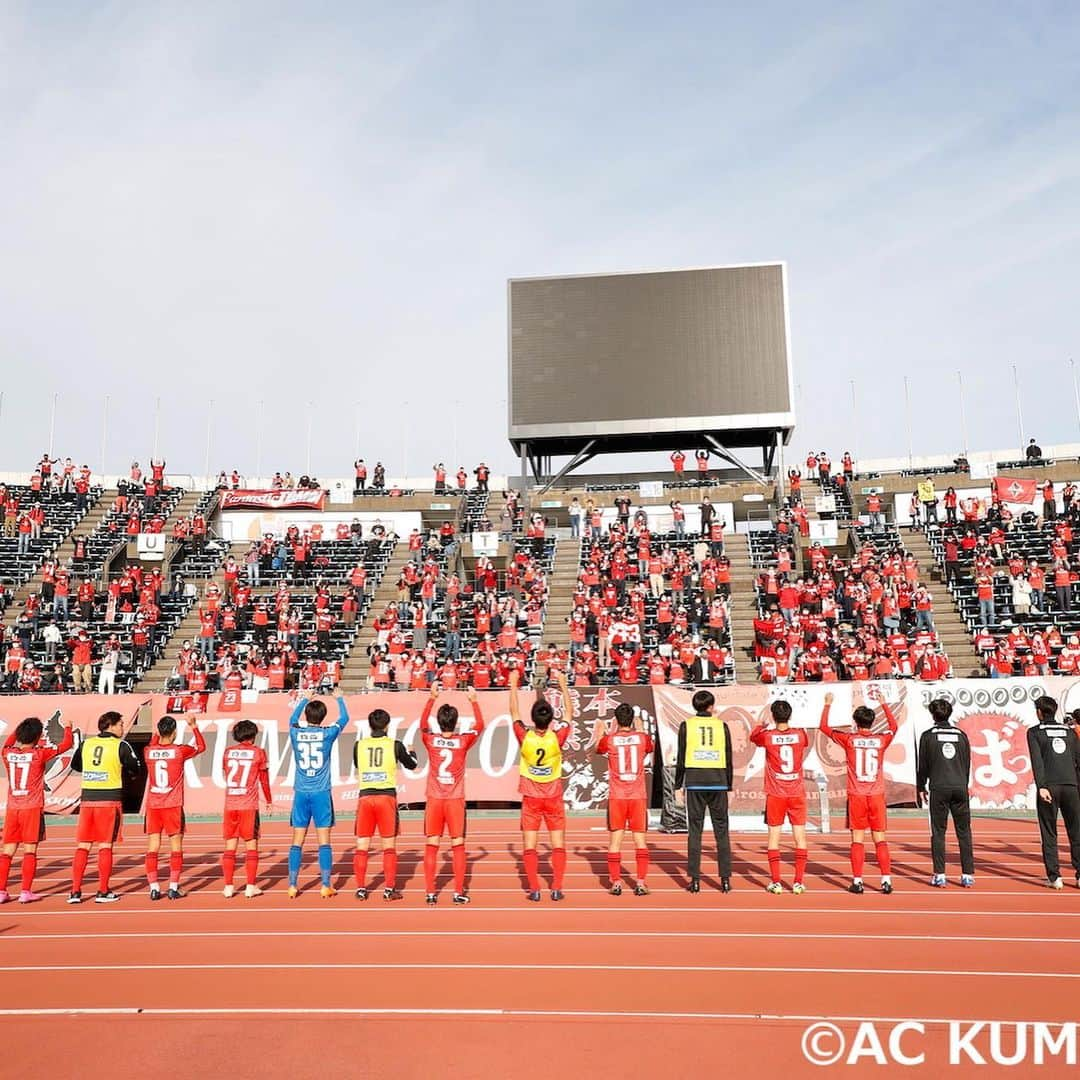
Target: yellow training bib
(706, 747)
(376, 764)
(541, 756)
(101, 764)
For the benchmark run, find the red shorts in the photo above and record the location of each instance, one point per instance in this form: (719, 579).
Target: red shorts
(99, 823)
(781, 807)
(24, 826)
(240, 825)
(377, 813)
(629, 814)
(165, 819)
(550, 811)
(444, 814)
(866, 812)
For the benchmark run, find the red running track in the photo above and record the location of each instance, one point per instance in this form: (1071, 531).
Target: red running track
(596, 986)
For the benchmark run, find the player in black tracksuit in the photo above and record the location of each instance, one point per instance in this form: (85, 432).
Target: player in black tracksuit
(944, 764)
(1055, 764)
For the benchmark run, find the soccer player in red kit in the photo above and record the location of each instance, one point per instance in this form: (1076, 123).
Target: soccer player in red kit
(246, 773)
(785, 795)
(444, 808)
(626, 749)
(541, 783)
(164, 810)
(26, 758)
(865, 787)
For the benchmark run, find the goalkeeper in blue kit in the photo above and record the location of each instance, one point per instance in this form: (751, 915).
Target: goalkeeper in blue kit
(313, 802)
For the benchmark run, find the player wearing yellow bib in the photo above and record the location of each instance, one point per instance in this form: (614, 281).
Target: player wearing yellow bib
(703, 767)
(104, 760)
(377, 757)
(540, 783)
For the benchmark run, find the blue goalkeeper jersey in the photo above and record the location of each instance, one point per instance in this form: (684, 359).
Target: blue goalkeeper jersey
(311, 748)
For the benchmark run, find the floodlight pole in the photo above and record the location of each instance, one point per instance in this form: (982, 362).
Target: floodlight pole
(963, 414)
(1019, 411)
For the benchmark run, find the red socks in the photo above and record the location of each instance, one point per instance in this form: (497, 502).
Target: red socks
(858, 857)
(228, 865)
(614, 867)
(5, 869)
(642, 857)
(431, 856)
(558, 867)
(104, 867)
(251, 867)
(884, 860)
(151, 868)
(457, 853)
(532, 869)
(359, 862)
(176, 867)
(389, 865)
(29, 868)
(774, 864)
(78, 868)
(800, 864)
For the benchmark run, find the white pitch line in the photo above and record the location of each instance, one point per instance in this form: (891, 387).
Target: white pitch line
(21, 912)
(590, 1014)
(171, 935)
(682, 969)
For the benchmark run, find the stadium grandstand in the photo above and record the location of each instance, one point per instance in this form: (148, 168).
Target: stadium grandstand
(867, 570)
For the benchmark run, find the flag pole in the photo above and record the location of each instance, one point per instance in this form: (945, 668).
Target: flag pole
(854, 421)
(52, 422)
(907, 413)
(209, 432)
(258, 438)
(963, 414)
(104, 436)
(1019, 411)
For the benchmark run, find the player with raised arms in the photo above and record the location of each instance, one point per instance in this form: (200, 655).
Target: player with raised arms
(313, 801)
(626, 749)
(444, 807)
(785, 793)
(246, 772)
(541, 784)
(164, 811)
(865, 753)
(26, 758)
(377, 757)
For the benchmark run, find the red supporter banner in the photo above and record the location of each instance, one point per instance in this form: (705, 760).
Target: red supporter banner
(305, 499)
(995, 714)
(1011, 490)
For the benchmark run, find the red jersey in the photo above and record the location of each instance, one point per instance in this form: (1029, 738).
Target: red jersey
(245, 772)
(784, 752)
(24, 768)
(447, 754)
(165, 771)
(626, 750)
(865, 753)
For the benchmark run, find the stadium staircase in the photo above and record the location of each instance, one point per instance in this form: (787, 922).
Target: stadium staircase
(561, 585)
(94, 516)
(354, 667)
(743, 608)
(951, 629)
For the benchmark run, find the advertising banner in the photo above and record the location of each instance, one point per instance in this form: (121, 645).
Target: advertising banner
(305, 499)
(995, 714)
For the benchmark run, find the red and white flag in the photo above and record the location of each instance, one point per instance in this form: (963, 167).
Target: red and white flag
(1014, 491)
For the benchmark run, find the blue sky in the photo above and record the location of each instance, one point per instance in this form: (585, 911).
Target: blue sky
(321, 203)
